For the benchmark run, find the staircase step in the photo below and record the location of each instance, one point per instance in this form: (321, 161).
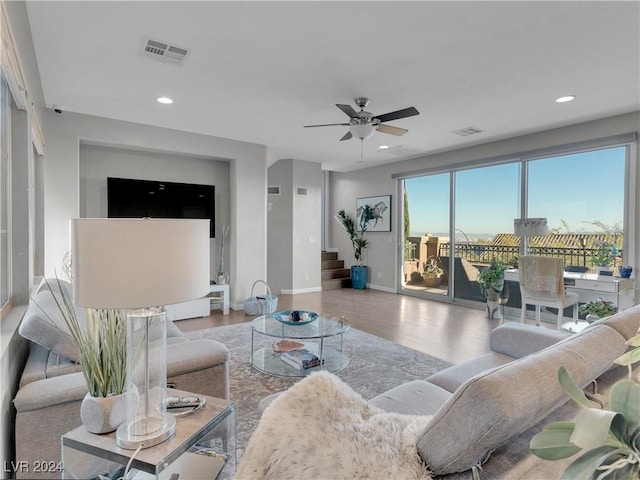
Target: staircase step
(336, 273)
(329, 264)
(329, 255)
(336, 283)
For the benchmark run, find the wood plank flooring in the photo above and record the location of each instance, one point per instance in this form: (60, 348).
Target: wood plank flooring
(451, 332)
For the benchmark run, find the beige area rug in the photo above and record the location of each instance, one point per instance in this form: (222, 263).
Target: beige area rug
(375, 365)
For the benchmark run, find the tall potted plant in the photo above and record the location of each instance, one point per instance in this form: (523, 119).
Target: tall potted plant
(359, 272)
(491, 281)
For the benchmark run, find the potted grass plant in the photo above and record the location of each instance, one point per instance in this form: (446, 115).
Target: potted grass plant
(101, 340)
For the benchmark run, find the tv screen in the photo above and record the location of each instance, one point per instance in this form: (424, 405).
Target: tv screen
(128, 198)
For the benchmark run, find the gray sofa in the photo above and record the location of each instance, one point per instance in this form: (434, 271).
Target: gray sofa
(52, 385)
(485, 411)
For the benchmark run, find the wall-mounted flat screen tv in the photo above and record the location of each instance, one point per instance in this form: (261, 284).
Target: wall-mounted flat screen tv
(129, 198)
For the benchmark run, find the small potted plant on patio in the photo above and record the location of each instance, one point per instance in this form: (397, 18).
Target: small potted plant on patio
(596, 309)
(359, 272)
(605, 256)
(432, 272)
(491, 281)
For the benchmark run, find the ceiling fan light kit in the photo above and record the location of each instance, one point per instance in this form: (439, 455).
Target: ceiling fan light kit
(362, 131)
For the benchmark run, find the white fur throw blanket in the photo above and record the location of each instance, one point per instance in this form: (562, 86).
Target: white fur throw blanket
(321, 429)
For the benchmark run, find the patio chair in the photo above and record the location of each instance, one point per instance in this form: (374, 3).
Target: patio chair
(542, 285)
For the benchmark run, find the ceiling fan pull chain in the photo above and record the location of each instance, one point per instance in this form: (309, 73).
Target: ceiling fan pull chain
(362, 150)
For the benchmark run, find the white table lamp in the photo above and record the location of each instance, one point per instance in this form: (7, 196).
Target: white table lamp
(141, 265)
(529, 227)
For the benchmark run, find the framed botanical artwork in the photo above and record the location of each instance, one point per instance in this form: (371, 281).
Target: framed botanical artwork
(380, 212)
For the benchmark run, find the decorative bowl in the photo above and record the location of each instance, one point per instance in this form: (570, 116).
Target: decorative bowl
(295, 317)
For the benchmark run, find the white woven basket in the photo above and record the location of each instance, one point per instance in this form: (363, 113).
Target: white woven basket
(260, 305)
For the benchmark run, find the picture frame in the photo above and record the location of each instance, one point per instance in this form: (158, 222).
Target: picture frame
(382, 206)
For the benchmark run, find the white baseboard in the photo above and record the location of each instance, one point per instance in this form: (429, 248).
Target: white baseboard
(301, 290)
(381, 288)
(332, 249)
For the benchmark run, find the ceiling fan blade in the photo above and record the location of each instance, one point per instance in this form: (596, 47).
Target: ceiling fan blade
(347, 136)
(329, 125)
(391, 130)
(348, 109)
(405, 112)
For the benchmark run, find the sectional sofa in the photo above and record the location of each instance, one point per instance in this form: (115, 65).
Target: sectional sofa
(52, 385)
(477, 417)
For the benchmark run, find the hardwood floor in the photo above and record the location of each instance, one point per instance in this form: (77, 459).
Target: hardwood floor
(451, 332)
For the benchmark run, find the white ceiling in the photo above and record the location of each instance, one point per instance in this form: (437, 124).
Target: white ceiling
(259, 71)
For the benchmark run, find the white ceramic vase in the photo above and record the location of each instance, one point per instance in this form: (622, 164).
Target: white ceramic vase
(103, 414)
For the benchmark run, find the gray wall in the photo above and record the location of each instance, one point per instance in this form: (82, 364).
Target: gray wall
(294, 227)
(383, 247)
(66, 134)
(99, 162)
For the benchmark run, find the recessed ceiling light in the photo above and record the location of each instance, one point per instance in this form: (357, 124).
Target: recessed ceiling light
(383, 147)
(565, 99)
(165, 100)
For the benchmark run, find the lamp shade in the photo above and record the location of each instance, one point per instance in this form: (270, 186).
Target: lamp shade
(362, 131)
(134, 263)
(530, 227)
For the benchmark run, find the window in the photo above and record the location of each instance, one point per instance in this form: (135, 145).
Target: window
(580, 192)
(5, 200)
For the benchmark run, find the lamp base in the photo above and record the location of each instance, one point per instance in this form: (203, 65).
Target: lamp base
(161, 427)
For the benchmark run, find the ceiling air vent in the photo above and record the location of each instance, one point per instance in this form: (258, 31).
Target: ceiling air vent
(164, 51)
(402, 151)
(273, 190)
(301, 191)
(465, 132)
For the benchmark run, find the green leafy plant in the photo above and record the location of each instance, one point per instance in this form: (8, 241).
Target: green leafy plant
(101, 341)
(601, 308)
(358, 241)
(431, 267)
(491, 279)
(610, 438)
(605, 255)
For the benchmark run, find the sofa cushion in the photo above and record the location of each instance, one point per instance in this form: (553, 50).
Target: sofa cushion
(521, 339)
(43, 324)
(498, 404)
(414, 398)
(626, 322)
(451, 378)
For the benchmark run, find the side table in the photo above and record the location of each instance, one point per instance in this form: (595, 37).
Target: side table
(86, 455)
(223, 299)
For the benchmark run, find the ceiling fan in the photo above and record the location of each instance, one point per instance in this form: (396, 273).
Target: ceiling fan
(362, 124)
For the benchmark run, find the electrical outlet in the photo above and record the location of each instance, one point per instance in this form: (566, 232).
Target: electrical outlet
(306, 276)
(379, 275)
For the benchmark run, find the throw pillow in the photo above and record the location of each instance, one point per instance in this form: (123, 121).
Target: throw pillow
(43, 323)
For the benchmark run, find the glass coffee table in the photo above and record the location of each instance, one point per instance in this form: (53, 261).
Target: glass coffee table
(324, 337)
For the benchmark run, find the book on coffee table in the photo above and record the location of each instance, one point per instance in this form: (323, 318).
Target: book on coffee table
(302, 359)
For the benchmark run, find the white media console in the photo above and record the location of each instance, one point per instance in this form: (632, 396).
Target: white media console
(201, 307)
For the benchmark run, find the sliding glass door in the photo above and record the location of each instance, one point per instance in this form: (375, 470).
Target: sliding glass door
(486, 201)
(426, 230)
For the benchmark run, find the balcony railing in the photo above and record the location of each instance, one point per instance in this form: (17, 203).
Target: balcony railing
(479, 253)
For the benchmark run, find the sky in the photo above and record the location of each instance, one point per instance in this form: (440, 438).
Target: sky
(575, 189)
